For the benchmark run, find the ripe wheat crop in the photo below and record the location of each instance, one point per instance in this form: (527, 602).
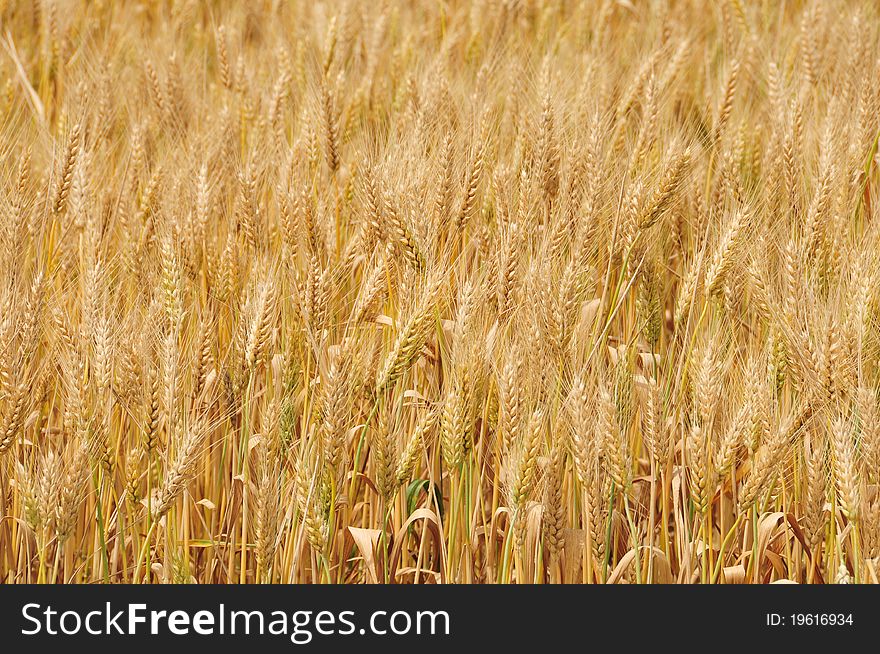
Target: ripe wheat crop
(439, 292)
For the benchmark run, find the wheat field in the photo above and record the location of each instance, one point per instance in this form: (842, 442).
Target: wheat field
(439, 292)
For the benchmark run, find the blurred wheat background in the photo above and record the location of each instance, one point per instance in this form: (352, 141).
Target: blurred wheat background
(439, 292)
